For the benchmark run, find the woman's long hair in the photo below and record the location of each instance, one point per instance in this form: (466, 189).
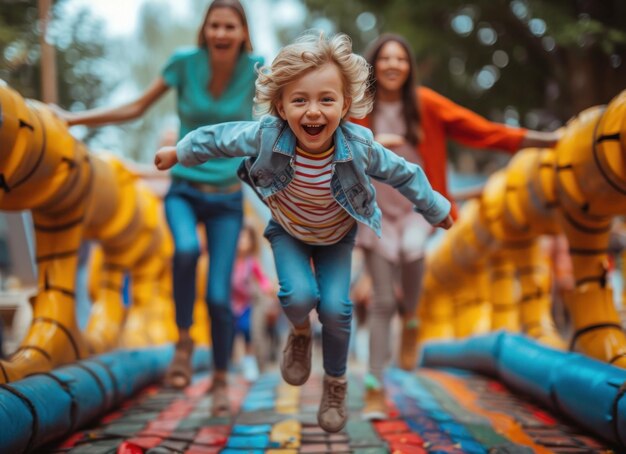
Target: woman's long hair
(236, 6)
(410, 106)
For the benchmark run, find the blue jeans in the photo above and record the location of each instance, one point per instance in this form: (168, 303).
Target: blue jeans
(318, 277)
(222, 216)
(242, 325)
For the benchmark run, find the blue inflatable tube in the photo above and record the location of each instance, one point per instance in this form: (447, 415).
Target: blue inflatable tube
(46, 407)
(587, 391)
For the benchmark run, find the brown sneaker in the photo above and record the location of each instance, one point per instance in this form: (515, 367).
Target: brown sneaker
(408, 344)
(333, 414)
(220, 404)
(295, 366)
(375, 407)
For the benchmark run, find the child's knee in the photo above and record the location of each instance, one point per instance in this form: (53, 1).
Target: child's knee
(298, 301)
(336, 316)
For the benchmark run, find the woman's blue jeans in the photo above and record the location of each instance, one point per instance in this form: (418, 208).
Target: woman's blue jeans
(222, 216)
(316, 277)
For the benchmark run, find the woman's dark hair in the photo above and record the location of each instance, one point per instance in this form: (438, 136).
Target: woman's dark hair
(410, 106)
(236, 6)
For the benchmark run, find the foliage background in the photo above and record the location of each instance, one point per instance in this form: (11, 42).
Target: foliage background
(533, 63)
(561, 55)
(80, 54)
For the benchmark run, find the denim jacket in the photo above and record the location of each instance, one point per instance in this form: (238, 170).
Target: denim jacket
(270, 146)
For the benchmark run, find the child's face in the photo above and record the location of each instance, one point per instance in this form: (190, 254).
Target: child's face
(313, 106)
(245, 242)
(392, 67)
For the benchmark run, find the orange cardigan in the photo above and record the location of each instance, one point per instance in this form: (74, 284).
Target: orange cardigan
(442, 119)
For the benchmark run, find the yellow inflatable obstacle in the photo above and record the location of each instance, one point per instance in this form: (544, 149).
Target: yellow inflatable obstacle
(591, 185)
(74, 196)
(134, 240)
(576, 189)
(455, 290)
(520, 208)
(489, 266)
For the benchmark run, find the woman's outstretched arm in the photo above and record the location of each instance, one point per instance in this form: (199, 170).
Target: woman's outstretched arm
(125, 112)
(540, 139)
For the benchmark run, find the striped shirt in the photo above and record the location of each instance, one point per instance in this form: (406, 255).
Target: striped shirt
(306, 208)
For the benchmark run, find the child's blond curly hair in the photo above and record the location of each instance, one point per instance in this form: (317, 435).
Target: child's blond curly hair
(309, 52)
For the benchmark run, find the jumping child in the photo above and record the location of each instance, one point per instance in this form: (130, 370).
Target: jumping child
(313, 170)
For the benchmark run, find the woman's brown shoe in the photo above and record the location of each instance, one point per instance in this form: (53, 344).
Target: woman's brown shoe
(220, 404)
(179, 372)
(375, 408)
(408, 344)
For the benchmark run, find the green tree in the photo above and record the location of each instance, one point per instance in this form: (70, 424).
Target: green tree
(78, 50)
(19, 46)
(525, 61)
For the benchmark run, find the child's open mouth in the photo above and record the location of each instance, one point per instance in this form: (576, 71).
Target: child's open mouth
(313, 129)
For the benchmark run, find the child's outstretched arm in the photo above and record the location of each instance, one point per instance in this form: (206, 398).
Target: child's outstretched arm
(224, 140)
(165, 158)
(410, 180)
(446, 223)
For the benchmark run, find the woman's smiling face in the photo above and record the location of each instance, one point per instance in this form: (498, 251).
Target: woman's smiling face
(225, 34)
(392, 67)
(313, 106)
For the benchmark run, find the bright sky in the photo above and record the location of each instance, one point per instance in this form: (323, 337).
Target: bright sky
(120, 17)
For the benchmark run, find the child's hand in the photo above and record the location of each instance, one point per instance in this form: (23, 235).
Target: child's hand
(165, 158)
(446, 223)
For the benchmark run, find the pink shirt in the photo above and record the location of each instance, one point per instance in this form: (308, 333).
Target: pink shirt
(441, 119)
(248, 279)
(404, 232)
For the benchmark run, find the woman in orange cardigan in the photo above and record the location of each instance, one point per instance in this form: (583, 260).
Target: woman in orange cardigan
(415, 123)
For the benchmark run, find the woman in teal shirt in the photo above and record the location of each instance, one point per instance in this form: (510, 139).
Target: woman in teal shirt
(215, 84)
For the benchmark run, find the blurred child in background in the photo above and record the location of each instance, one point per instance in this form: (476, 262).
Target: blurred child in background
(251, 292)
